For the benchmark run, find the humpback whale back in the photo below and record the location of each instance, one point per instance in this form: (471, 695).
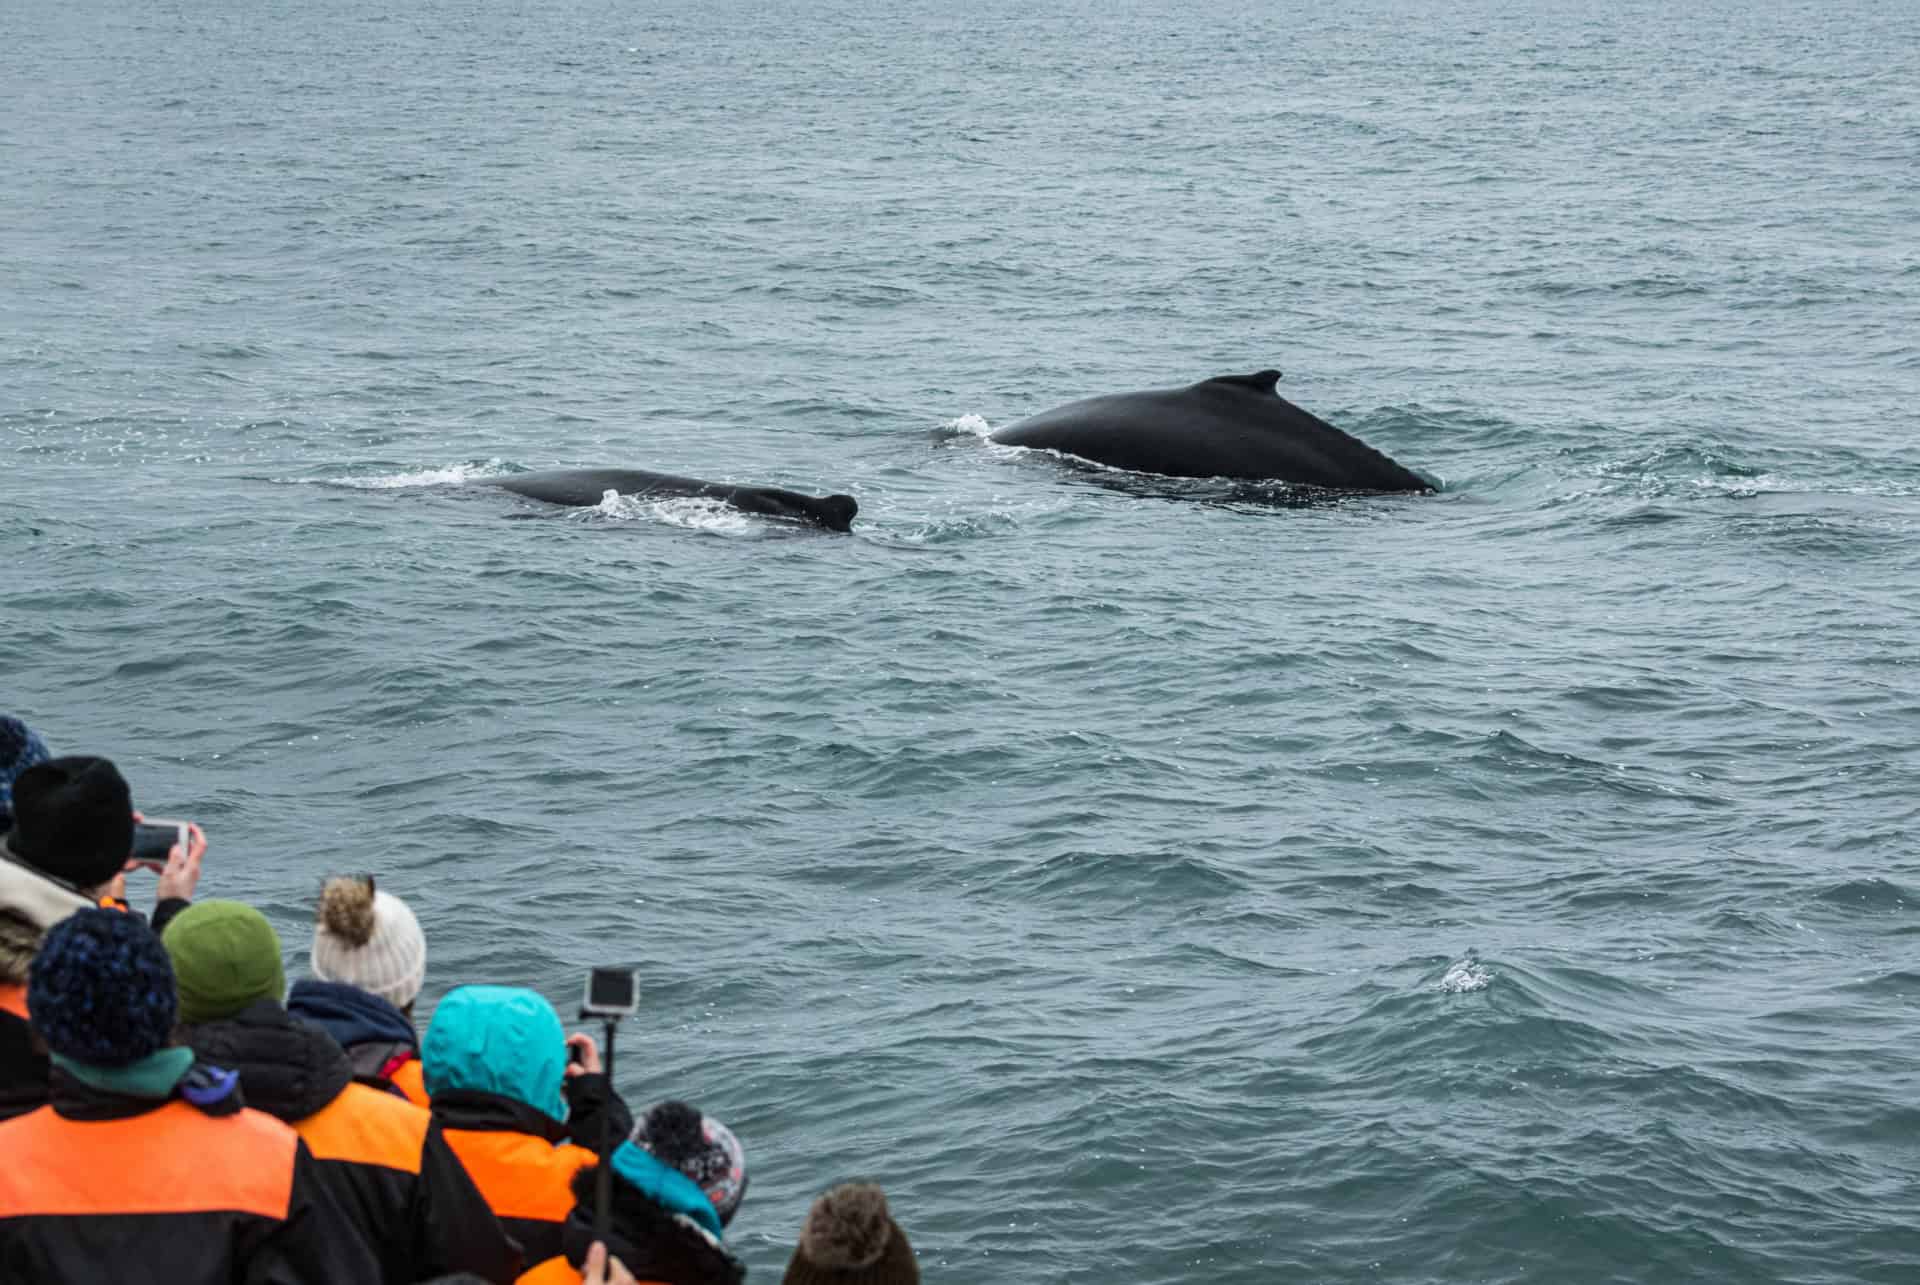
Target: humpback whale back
(582, 488)
(1232, 426)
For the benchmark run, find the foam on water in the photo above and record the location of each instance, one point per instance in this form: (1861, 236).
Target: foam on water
(445, 475)
(694, 512)
(970, 425)
(1463, 977)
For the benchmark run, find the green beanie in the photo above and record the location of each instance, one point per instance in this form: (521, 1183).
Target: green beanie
(225, 956)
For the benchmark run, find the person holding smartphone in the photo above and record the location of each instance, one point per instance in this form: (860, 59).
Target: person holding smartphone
(521, 1103)
(73, 820)
(69, 848)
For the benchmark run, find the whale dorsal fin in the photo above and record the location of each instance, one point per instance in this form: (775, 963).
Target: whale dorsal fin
(1261, 381)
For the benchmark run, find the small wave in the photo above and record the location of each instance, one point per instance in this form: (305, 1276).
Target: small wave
(1871, 896)
(1463, 977)
(967, 527)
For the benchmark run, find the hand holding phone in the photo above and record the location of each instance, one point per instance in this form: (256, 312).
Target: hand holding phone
(154, 841)
(583, 1056)
(174, 848)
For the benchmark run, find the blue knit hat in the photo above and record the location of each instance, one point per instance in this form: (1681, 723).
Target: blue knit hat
(20, 748)
(101, 989)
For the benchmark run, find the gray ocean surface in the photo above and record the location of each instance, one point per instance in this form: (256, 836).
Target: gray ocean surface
(1142, 882)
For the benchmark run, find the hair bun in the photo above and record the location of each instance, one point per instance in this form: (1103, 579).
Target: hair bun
(346, 909)
(847, 1227)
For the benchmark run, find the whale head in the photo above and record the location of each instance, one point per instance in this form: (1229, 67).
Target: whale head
(835, 512)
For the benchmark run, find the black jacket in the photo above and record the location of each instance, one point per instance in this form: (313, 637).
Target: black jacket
(100, 1187)
(382, 1159)
(30, 901)
(523, 1159)
(649, 1242)
(23, 1066)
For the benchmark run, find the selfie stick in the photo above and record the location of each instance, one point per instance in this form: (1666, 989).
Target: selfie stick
(603, 1181)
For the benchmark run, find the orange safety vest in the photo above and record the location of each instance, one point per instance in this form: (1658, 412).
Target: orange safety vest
(522, 1177)
(410, 1078)
(174, 1160)
(365, 1126)
(13, 999)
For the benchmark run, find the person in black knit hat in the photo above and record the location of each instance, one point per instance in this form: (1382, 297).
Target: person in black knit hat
(71, 836)
(145, 1166)
(35, 893)
(73, 820)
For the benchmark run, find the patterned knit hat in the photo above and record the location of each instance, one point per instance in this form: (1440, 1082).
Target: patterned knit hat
(101, 989)
(700, 1147)
(850, 1239)
(73, 819)
(20, 749)
(369, 939)
(225, 957)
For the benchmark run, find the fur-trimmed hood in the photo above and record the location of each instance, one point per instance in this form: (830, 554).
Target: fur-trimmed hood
(30, 903)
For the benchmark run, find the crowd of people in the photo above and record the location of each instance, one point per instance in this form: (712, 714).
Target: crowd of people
(170, 1111)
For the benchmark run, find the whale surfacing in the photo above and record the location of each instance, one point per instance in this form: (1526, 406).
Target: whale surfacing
(1231, 426)
(583, 488)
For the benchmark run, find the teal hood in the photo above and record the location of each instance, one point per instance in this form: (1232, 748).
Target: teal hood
(668, 1188)
(497, 1039)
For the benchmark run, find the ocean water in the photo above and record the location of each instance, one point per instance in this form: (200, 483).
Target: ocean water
(1145, 885)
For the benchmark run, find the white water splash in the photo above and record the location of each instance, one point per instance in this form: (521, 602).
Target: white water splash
(695, 512)
(1463, 977)
(451, 475)
(975, 424)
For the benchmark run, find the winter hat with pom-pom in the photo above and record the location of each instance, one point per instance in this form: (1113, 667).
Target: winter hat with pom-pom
(101, 990)
(700, 1147)
(369, 939)
(850, 1239)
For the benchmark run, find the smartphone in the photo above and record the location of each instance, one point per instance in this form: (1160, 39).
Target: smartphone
(154, 839)
(611, 992)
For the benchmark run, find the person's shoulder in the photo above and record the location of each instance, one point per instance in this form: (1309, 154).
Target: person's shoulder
(367, 1126)
(380, 1104)
(263, 1128)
